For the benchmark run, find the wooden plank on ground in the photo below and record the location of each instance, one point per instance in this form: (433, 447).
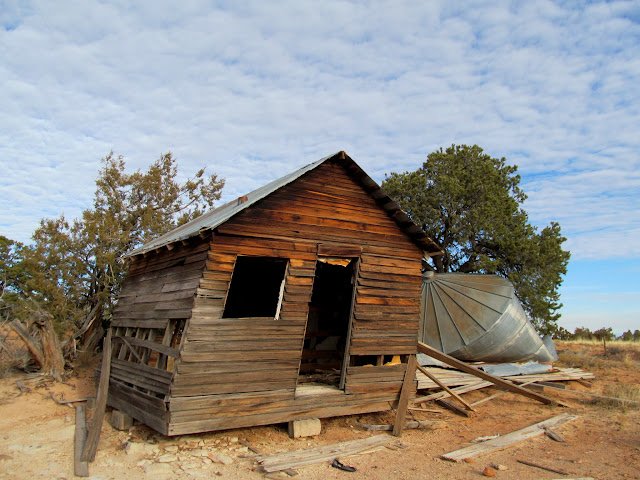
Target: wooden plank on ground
(403, 403)
(454, 362)
(301, 458)
(91, 445)
(453, 407)
(508, 440)
(80, 468)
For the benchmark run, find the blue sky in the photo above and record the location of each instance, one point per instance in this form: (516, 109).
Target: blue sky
(253, 90)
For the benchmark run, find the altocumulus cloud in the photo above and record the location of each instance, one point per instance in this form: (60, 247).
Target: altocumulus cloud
(256, 90)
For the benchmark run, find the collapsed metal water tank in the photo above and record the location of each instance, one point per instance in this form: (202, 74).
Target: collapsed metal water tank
(477, 317)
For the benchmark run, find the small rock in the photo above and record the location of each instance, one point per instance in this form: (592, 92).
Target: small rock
(233, 440)
(489, 472)
(144, 462)
(198, 453)
(171, 448)
(468, 460)
(201, 443)
(167, 458)
(141, 449)
(158, 469)
(221, 458)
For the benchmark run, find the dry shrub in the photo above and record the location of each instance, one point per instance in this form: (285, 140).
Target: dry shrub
(582, 359)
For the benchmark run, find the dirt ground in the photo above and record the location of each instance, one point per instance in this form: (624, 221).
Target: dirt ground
(36, 435)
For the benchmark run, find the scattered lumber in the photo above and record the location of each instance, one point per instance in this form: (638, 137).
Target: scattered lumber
(91, 445)
(553, 435)
(412, 425)
(508, 439)
(454, 378)
(542, 467)
(444, 387)
(497, 395)
(463, 389)
(430, 410)
(300, 458)
(453, 407)
(454, 362)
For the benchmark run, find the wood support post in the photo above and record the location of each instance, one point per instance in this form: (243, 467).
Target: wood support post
(89, 452)
(80, 468)
(403, 402)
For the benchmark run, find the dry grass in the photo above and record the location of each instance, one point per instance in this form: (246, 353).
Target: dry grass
(622, 392)
(590, 355)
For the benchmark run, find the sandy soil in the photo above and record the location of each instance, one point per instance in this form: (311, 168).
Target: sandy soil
(36, 436)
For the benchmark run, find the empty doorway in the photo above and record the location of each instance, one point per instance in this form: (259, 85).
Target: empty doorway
(328, 323)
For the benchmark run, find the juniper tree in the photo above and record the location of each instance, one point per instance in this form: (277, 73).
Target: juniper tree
(470, 204)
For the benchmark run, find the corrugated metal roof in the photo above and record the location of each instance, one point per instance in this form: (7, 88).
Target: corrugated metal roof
(220, 215)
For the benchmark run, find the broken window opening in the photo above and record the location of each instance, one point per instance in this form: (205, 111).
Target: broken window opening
(256, 288)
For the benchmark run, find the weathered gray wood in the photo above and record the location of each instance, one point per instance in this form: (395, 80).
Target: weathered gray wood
(444, 387)
(454, 362)
(508, 440)
(172, 352)
(300, 458)
(461, 389)
(453, 407)
(91, 445)
(403, 403)
(80, 468)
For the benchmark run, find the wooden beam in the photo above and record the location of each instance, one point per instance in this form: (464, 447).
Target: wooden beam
(461, 389)
(453, 407)
(80, 468)
(403, 403)
(91, 445)
(498, 394)
(300, 458)
(508, 439)
(444, 387)
(454, 362)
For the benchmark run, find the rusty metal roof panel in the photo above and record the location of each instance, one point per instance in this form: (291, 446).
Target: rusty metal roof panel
(220, 215)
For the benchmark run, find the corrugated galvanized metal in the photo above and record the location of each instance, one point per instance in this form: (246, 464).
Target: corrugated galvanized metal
(477, 317)
(218, 216)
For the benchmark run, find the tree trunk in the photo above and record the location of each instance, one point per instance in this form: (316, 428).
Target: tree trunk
(46, 352)
(32, 345)
(54, 361)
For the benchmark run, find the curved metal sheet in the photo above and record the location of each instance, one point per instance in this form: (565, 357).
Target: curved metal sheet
(478, 318)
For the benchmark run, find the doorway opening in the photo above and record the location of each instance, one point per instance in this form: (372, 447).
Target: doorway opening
(325, 343)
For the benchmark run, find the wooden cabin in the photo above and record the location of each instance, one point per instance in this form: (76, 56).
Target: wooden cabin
(288, 303)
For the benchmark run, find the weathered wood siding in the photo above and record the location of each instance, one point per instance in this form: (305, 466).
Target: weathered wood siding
(242, 372)
(158, 294)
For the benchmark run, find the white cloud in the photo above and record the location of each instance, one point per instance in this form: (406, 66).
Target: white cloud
(254, 91)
